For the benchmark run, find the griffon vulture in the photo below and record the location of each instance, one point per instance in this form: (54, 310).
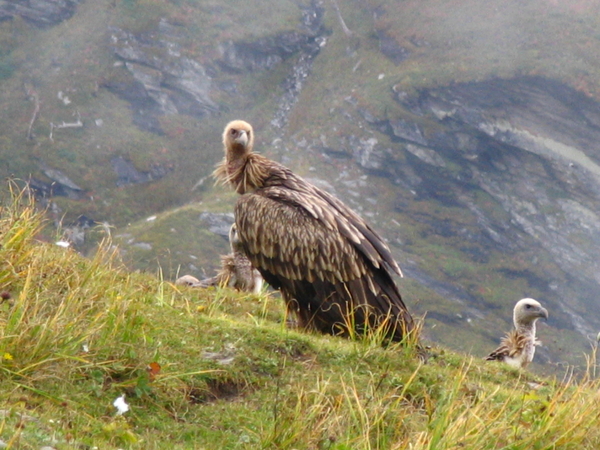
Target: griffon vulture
(334, 272)
(236, 271)
(518, 346)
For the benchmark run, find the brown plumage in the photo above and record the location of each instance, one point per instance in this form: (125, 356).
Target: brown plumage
(236, 270)
(332, 269)
(518, 346)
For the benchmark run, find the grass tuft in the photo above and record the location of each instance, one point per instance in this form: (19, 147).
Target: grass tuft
(213, 368)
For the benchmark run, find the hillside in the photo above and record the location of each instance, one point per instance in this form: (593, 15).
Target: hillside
(465, 132)
(206, 369)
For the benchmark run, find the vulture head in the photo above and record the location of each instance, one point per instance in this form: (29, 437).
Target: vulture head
(527, 311)
(238, 138)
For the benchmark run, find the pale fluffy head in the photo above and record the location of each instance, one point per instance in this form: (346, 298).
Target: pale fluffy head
(234, 239)
(527, 311)
(238, 138)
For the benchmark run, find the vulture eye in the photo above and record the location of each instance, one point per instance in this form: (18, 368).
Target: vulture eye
(528, 306)
(233, 132)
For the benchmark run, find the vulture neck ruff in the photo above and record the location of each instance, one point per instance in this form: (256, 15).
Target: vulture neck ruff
(245, 174)
(241, 168)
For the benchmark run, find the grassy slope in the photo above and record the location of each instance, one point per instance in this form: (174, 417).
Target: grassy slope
(78, 333)
(449, 53)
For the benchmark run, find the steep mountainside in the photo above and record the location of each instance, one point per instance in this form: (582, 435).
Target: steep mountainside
(467, 133)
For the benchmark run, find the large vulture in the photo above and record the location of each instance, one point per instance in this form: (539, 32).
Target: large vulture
(334, 272)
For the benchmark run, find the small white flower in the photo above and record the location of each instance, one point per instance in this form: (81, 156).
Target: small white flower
(121, 406)
(64, 244)
(86, 348)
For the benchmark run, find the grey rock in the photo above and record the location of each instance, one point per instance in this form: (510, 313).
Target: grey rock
(266, 52)
(142, 245)
(43, 190)
(368, 153)
(162, 81)
(218, 223)
(391, 49)
(128, 174)
(408, 131)
(42, 13)
(59, 177)
(427, 155)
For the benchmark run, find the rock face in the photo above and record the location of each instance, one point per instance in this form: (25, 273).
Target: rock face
(218, 223)
(533, 146)
(128, 174)
(267, 52)
(264, 53)
(163, 81)
(42, 13)
(391, 49)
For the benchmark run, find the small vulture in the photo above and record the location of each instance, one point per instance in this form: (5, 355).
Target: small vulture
(334, 272)
(236, 271)
(518, 346)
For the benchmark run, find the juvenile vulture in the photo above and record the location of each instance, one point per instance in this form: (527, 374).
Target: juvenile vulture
(236, 271)
(187, 280)
(334, 272)
(518, 346)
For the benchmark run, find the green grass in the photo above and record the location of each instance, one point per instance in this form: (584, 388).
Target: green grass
(215, 369)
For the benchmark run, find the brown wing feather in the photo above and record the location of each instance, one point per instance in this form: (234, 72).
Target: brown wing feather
(329, 271)
(510, 346)
(330, 211)
(369, 242)
(288, 242)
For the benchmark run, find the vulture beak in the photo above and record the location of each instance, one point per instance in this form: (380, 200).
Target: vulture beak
(242, 138)
(544, 313)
